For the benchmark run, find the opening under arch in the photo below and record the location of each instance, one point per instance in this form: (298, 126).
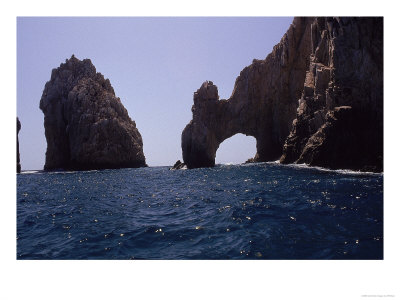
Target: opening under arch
(236, 149)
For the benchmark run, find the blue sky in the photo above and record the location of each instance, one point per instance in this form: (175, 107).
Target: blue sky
(154, 64)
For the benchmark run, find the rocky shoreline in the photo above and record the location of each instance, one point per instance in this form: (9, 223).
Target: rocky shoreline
(316, 99)
(339, 121)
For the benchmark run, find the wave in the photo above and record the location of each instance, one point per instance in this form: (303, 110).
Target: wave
(340, 171)
(61, 172)
(306, 166)
(31, 172)
(229, 164)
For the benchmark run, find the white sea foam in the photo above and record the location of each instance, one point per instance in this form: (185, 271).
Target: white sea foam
(340, 171)
(61, 172)
(30, 172)
(239, 164)
(305, 166)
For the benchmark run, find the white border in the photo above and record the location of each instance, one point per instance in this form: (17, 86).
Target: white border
(196, 279)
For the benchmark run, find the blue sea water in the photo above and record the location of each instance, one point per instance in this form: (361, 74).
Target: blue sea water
(252, 211)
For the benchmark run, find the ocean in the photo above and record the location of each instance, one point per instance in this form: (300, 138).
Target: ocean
(248, 211)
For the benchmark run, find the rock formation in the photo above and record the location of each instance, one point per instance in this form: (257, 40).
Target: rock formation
(178, 165)
(263, 102)
(339, 122)
(334, 66)
(86, 125)
(18, 161)
(250, 161)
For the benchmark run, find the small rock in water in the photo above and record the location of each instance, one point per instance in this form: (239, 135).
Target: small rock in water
(179, 165)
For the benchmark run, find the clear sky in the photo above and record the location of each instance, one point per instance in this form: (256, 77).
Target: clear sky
(154, 64)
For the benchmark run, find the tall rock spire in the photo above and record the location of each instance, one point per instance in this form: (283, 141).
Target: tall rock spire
(86, 125)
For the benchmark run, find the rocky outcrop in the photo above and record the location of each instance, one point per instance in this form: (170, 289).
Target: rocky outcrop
(179, 165)
(18, 161)
(263, 102)
(339, 123)
(250, 161)
(86, 125)
(316, 99)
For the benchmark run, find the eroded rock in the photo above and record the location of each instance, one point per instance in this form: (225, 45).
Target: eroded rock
(179, 166)
(263, 102)
(86, 125)
(250, 161)
(316, 99)
(339, 123)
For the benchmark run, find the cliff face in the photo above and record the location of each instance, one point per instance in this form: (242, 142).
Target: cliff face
(334, 66)
(263, 102)
(86, 125)
(339, 123)
(18, 161)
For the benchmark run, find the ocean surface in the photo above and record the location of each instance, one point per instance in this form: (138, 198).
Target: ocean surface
(252, 211)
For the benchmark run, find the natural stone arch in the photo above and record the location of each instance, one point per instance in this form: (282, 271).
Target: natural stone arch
(263, 102)
(328, 69)
(217, 120)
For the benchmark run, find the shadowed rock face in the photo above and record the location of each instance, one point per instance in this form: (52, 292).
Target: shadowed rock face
(86, 125)
(18, 161)
(263, 102)
(339, 123)
(335, 67)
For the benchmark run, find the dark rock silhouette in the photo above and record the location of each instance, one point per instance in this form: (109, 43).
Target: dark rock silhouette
(339, 123)
(18, 160)
(250, 161)
(263, 102)
(86, 125)
(334, 66)
(178, 165)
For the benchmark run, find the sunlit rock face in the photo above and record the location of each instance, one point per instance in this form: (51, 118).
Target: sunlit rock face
(86, 125)
(263, 102)
(316, 99)
(339, 123)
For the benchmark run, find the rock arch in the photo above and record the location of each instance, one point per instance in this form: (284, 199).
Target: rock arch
(263, 103)
(316, 99)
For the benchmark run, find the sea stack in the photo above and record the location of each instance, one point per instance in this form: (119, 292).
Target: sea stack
(86, 125)
(18, 161)
(317, 98)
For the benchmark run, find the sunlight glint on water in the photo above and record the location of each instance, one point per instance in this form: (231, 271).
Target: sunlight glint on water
(254, 211)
